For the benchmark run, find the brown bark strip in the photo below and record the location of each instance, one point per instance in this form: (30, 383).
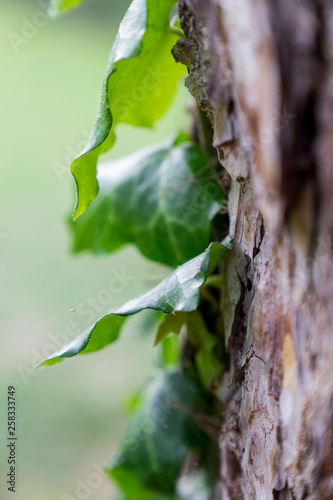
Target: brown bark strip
(262, 71)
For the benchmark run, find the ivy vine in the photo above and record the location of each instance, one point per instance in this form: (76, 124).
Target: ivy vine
(165, 199)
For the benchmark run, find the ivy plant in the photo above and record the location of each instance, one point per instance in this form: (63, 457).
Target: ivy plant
(139, 83)
(149, 464)
(169, 205)
(165, 200)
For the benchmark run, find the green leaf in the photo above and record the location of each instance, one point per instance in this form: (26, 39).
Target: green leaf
(132, 488)
(209, 367)
(57, 6)
(171, 352)
(154, 198)
(159, 437)
(171, 323)
(177, 292)
(139, 83)
(214, 281)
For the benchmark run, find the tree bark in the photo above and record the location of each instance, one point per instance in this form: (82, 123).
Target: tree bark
(262, 71)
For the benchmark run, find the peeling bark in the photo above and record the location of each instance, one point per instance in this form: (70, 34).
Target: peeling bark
(262, 71)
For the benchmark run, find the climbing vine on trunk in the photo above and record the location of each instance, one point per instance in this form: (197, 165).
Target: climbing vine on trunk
(167, 200)
(240, 207)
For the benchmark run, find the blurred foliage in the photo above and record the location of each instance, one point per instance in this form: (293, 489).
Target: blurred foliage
(48, 103)
(153, 469)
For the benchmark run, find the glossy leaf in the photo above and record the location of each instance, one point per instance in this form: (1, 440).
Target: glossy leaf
(156, 199)
(139, 83)
(177, 292)
(159, 437)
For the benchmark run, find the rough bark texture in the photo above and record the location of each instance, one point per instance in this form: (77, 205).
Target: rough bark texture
(262, 70)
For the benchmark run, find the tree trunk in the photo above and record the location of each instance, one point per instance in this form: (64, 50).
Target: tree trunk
(262, 71)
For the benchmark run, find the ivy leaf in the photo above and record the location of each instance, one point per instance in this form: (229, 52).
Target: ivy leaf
(209, 367)
(177, 292)
(171, 352)
(171, 323)
(57, 6)
(159, 437)
(138, 85)
(156, 199)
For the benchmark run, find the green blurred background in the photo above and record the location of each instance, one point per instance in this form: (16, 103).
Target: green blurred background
(72, 415)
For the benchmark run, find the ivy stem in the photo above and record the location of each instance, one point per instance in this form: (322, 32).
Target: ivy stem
(177, 31)
(173, 26)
